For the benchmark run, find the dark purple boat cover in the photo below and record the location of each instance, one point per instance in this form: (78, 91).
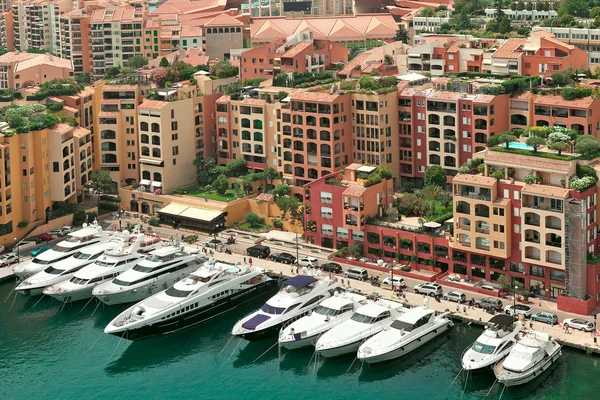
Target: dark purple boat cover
(253, 322)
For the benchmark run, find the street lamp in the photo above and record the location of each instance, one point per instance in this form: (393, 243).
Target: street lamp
(18, 255)
(515, 302)
(297, 249)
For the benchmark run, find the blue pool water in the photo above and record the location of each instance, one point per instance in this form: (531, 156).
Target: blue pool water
(517, 145)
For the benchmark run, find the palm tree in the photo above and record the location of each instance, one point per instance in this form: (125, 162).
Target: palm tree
(401, 35)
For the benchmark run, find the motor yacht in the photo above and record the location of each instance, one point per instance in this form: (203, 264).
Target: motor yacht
(407, 333)
(529, 358)
(368, 320)
(73, 242)
(160, 269)
(213, 289)
(108, 266)
(501, 334)
(300, 295)
(330, 313)
(63, 270)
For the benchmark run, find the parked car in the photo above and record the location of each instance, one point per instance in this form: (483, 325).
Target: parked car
(430, 289)
(46, 237)
(285, 258)
(544, 316)
(456, 296)
(580, 324)
(8, 258)
(489, 302)
(357, 273)
(39, 250)
(518, 309)
(65, 230)
(398, 281)
(332, 267)
(308, 262)
(259, 251)
(30, 240)
(214, 243)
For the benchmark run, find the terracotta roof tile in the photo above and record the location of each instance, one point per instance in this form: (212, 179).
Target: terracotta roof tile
(474, 179)
(154, 104)
(509, 49)
(354, 191)
(224, 20)
(585, 102)
(296, 49)
(355, 62)
(546, 190)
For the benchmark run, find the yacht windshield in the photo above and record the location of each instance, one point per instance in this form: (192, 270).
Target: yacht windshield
(73, 239)
(81, 256)
(62, 249)
(106, 264)
(79, 281)
(272, 310)
(299, 290)
(119, 282)
(365, 319)
(177, 293)
(483, 348)
(54, 271)
(326, 311)
(42, 262)
(143, 268)
(401, 325)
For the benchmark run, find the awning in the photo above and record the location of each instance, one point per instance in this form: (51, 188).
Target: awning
(145, 182)
(500, 64)
(173, 209)
(156, 184)
(148, 161)
(365, 168)
(185, 211)
(414, 55)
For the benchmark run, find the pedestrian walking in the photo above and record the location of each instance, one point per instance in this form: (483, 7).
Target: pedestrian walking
(292, 269)
(250, 261)
(297, 270)
(244, 260)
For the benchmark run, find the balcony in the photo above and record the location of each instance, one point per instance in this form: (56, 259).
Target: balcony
(482, 194)
(327, 215)
(353, 207)
(545, 111)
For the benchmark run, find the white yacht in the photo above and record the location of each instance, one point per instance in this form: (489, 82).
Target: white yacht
(300, 295)
(212, 290)
(500, 335)
(64, 269)
(367, 321)
(330, 313)
(74, 242)
(408, 332)
(108, 266)
(160, 269)
(529, 358)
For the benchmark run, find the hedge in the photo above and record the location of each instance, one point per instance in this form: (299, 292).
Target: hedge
(532, 153)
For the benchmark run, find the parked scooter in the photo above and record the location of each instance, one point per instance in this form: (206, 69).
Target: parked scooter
(375, 281)
(230, 240)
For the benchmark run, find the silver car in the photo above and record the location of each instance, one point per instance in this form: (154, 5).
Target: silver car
(456, 296)
(431, 289)
(580, 324)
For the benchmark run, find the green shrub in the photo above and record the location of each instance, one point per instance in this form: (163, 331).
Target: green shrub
(91, 216)
(154, 221)
(405, 268)
(189, 239)
(56, 107)
(277, 224)
(78, 218)
(113, 199)
(498, 175)
(22, 224)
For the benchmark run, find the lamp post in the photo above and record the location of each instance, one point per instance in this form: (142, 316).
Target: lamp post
(515, 302)
(297, 249)
(18, 255)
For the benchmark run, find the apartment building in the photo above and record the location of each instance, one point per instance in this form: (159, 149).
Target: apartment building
(222, 33)
(538, 234)
(7, 33)
(74, 39)
(166, 134)
(117, 34)
(428, 56)
(468, 55)
(533, 16)
(18, 69)
(117, 147)
(272, 8)
(36, 23)
(300, 53)
(338, 205)
(359, 31)
(577, 114)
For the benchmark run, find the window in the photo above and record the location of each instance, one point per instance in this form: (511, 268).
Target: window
(517, 267)
(499, 211)
(175, 150)
(516, 212)
(536, 271)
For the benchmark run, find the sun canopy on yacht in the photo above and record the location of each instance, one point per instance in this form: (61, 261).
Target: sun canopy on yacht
(255, 321)
(502, 319)
(300, 281)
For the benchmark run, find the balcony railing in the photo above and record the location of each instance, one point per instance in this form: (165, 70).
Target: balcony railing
(353, 208)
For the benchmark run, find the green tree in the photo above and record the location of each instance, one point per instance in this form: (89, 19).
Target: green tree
(504, 26)
(112, 72)
(401, 35)
(101, 182)
(427, 12)
(462, 21)
(164, 62)
(83, 78)
(368, 82)
(566, 19)
(435, 175)
(207, 170)
(253, 219)
(506, 138)
(281, 95)
(137, 62)
(529, 6)
(492, 26)
(578, 8)
(221, 184)
(595, 12)
(224, 69)
(235, 168)
(15, 120)
(587, 145)
(282, 190)
(520, 5)
(559, 146)
(535, 142)
(513, 6)
(270, 174)
(499, 6)
(287, 204)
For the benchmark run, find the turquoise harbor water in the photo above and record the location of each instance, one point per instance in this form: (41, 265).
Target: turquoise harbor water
(49, 354)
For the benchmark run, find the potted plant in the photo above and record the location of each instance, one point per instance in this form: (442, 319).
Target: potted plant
(526, 295)
(563, 182)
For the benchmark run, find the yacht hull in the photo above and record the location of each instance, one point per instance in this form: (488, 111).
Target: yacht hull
(344, 349)
(23, 273)
(298, 344)
(36, 291)
(202, 314)
(409, 347)
(515, 379)
(73, 295)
